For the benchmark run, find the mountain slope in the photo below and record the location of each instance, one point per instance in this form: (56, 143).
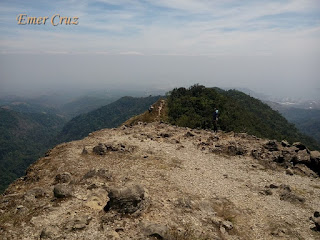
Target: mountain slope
(156, 181)
(109, 116)
(306, 120)
(24, 137)
(239, 112)
(84, 105)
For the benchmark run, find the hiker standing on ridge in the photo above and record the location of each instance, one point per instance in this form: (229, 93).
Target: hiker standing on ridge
(150, 109)
(215, 120)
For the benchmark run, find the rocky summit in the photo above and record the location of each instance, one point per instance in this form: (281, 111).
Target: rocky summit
(157, 181)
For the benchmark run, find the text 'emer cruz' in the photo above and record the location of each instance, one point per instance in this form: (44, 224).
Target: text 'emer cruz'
(55, 20)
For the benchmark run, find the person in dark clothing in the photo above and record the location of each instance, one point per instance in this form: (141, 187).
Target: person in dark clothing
(215, 120)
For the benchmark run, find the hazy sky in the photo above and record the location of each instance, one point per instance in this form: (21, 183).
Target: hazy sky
(268, 46)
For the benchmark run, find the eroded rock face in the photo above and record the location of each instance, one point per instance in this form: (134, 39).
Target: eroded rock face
(125, 200)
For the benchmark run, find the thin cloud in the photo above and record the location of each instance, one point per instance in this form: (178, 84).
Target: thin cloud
(172, 27)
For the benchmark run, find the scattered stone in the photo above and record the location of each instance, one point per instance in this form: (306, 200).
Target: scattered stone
(126, 200)
(63, 178)
(184, 203)
(227, 225)
(285, 187)
(272, 145)
(286, 195)
(35, 193)
(156, 230)
(285, 143)
(235, 150)
(316, 214)
(289, 171)
(267, 192)
(280, 232)
(21, 210)
(49, 233)
(62, 191)
(165, 135)
(112, 235)
(101, 173)
(304, 170)
(273, 186)
(78, 223)
(189, 134)
(317, 223)
(256, 154)
(84, 151)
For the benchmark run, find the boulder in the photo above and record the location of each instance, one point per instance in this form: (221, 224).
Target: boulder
(302, 157)
(315, 161)
(300, 146)
(315, 155)
(100, 149)
(126, 200)
(62, 191)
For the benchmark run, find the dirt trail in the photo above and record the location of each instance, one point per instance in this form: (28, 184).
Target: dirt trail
(162, 102)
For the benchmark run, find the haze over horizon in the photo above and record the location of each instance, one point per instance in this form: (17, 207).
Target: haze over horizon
(270, 47)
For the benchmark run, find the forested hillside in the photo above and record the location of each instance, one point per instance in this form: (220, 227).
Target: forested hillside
(109, 116)
(239, 112)
(24, 137)
(306, 120)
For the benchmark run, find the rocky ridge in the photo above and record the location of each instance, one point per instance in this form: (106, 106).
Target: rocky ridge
(157, 181)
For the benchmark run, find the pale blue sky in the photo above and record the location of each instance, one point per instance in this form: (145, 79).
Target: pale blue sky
(213, 30)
